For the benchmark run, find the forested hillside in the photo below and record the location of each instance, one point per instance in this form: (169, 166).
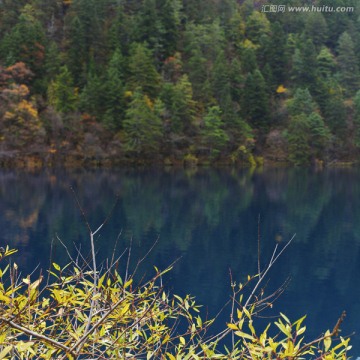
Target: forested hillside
(178, 81)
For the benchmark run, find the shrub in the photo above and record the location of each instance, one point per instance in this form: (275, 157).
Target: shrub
(82, 313)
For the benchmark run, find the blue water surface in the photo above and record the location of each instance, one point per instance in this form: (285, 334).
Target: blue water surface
(209, 220)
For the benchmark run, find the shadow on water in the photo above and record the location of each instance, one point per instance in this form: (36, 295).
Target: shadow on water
(208, 219)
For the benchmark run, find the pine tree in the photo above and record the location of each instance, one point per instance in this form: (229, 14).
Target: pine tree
(276, 55)
(142, 126)
(113, 97)
(302, 102)
(182, 106)
(325, 63)
(142, 71)
(214, 137)
(61, 92)
(304, 69)
(320, 135)
(348, 64)
(91, 99)
(257, 25)
(299, 140)
(221, 87)
(77, 55)
(255, 104)
(25, 42)
(316, 28)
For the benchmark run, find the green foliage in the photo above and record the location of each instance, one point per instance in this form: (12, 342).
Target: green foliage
(218, 53)
(182, 106)
(25, 42)
(61, 92)
(256, 101)
(142, 70)
(348, 63)
(302, 102)
(308, 138)
(214, 137)
(113, 96)
(143, 125)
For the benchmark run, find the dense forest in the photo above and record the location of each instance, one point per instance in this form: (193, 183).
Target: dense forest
(102, 82)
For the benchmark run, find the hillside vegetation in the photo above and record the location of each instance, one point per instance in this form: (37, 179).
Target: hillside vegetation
(178, 81)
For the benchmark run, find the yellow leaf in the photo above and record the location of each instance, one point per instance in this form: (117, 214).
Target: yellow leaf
(5, 351)
(327, 340)
(281, 89)
(232, 326)
(4, 298)
(244, 335)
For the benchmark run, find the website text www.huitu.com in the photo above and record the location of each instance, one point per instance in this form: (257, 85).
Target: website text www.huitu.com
(306, 9)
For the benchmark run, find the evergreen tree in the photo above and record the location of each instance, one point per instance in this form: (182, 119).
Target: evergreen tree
(113, 97)
(304, 69)
(302, 102)
(276, 55)
(334, 110)
(119, 33)
(91, 99)
(221, 86)
(25, 42)
(316, 28)
(52, 60)
(61, 92)
(257, 25)
(256, 101)
(142, 71)
(320, 135)
(77, 54)
(299, 140)
(325, 63)
(348, 64)
(214, 137)
(236, 80)
(142, 126)
(157, 25)
(248, 60)
(182, 106)
(308, 138)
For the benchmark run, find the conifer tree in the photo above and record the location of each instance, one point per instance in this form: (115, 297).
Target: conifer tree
(61, 92)
(142, 71)
(143, 126)
(221, 87)
(25, 42)
(91, 99)
(113, 97)
(255, 104)
(348, 64)
(302, 102)
(214, 137)
(182, 106)
(325, 63)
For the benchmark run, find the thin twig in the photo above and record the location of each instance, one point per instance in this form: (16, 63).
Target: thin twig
(37, 335)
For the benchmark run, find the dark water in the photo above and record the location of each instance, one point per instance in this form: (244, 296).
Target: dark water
(208, 219)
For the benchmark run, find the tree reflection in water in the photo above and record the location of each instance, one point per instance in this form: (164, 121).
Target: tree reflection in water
(209, 219)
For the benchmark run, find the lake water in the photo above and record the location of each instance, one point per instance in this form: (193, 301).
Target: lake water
(208, 219)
